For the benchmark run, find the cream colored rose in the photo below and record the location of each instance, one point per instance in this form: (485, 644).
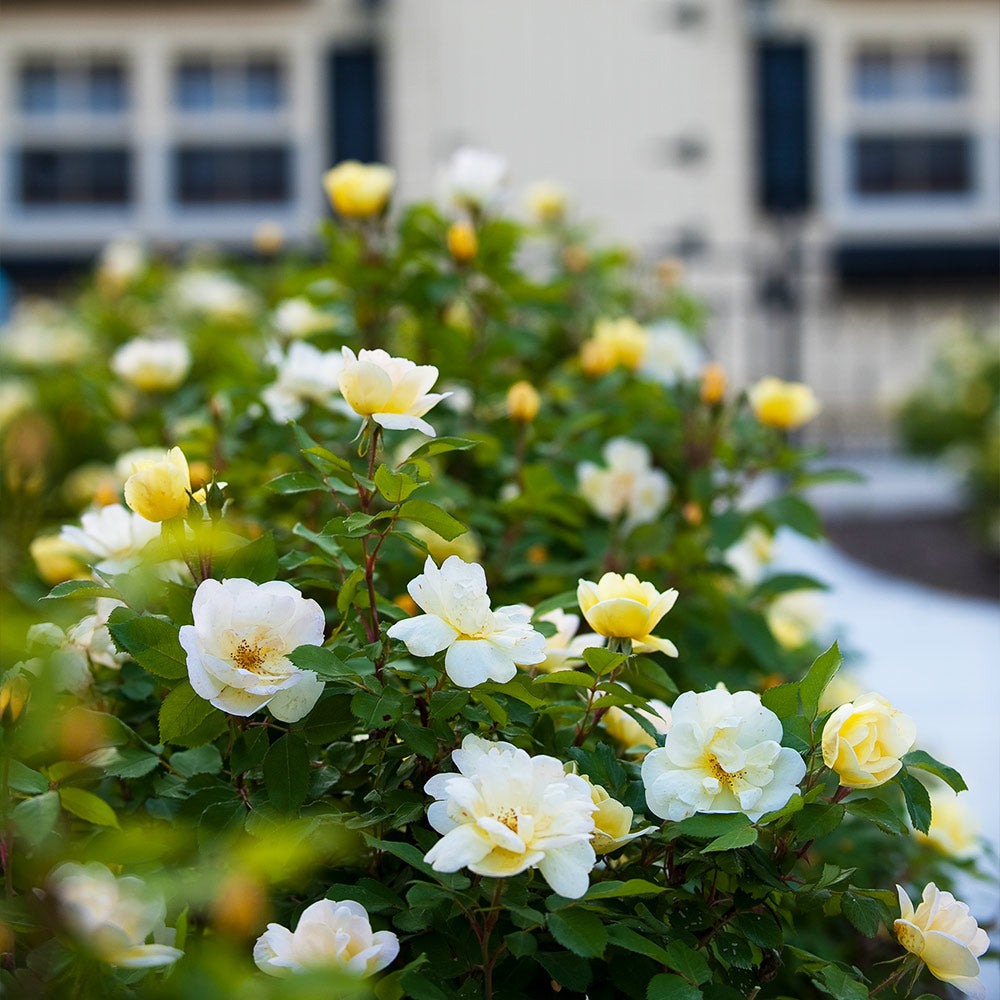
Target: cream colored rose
(152, 364)
(359, 190)
(523, 402)
(954, 828)
(624, 607)
(945, 937)
(864, 740)
(57, 559)
(612, 820)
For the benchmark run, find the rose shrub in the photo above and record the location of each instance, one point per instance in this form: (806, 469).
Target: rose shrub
(354, 726)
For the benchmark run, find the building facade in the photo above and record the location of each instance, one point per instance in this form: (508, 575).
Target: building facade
(830, 169)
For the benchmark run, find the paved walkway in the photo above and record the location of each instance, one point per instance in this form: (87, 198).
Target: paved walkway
(933, 654)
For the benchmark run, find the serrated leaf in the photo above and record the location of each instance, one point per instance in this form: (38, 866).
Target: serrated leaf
(257, 561)
(569, 678)
(151, 642)
(783, 700)
(442, 445)
(925, 762)
(128, 762)
(619, 890)
(201, 760)
(730, 841)
(822, 671)
(603, 661)
(689, 963)
(878, 812)
(182, 712)
(326, 663)
(711, 825)
(581, 931)
(286, 772)
(81, 589)
(622, 936)
(817, 820)
(669, 987)
(433, 517)
(864, 913)
(918, 802)
(395, 487)
(87, 806)
(329, 720)
(295, 482)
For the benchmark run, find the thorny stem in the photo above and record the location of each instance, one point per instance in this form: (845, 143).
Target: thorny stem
(908, 963)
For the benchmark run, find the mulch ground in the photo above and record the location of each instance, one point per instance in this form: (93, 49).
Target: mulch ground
(939, 551)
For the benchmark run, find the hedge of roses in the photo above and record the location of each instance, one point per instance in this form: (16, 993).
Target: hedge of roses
(411, 633)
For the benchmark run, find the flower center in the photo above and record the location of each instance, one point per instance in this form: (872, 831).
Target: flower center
(721, 774)
(249, 657)
(508, 817)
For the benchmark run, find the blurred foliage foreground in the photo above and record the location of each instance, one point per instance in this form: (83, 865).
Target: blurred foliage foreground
(311, 714)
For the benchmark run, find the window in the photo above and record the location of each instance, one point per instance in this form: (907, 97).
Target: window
(912, 164)
(96, 85)
(205, 175)
(933, 72)
(206, 84)
(95, 176)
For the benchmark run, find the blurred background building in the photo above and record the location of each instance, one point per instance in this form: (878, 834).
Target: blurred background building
(828, 169)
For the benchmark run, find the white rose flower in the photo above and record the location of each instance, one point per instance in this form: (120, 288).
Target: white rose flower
(328, 935)
(482, 645)
(237, 649)
(152, 364)
(945, 937)
(298, 317)
(672, 353)
(721, 754)
(565, 646)
(304, 374)
(749, 556)
(113, 535)
(215, 294)
(628, 486)
(795, 617)
(392, 391)
(474, 178)
(91, 635)
(505, 812)
(121, 262)
(113, 916)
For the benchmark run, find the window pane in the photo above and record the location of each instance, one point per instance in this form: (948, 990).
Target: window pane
(75, 176)
(876, 72)
(106, 87)
(943, 73)
(38, 87)
(231, 174)
(264, 85)
(912, 165)
(195, 85)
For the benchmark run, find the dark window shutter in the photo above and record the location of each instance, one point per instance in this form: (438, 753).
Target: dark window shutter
(354, 105)
(784, 139)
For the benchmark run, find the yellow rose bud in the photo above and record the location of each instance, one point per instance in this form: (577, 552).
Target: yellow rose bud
(81, 732)
(200, 473)
(359, 190)
(784, 405)
(944, 936)
(462, 241)
(537, 555)
(58, 560)
(523, 402)
(576, 258)
(692, 513)
(159, 491)
(14, 693)
(597, 357)
(864, 740)
(713, 384)
(612, 820)
(546, 201)
(628, 339)
(268, 238)
(624, 607)
(670, 271)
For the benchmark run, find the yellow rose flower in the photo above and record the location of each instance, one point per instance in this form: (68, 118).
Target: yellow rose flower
(784, 405)
(466, 545)
(626, 608)
(864, 740)
(623, 728)
(597, 357)
(359, 190)
(713, 384)
(523, 402)
(159, 491)
(954, 828)
(612, 820)
(463, 244)
(945, 937)
(627, 339)
(14, 693)
(58, 560)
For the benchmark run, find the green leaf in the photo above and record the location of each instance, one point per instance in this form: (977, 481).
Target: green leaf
(439, 446)
(624, 937)
(151, 642)
(570, 678)
(87, 806)
(876, 811)
(433, 517)
(567, 599)
(35, 818)
(817, 820)
(619, 890)
(923, 760)
(420, 987)
(129, 762)
(182, 712)
(376, 711)
(23, 779)
(417, 738)
(840, 984)
(755, 634)
(295, 482)
(918, 802)
(783, 700)
(371, 894)
(329, 720)
(286, 772)
(200, 760)
(568, 970)
(79, 588)
(796, 514)
(394, 486)
(689, 963)
(581, 931)
(668, 987)
(445, 704)
(326, 663)
(521, 943)
(603, 661)
(864, 913)
(730, 841)
(710, 825)
(256, 561)
(349, 589)
(822, 671)
(783, 583)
